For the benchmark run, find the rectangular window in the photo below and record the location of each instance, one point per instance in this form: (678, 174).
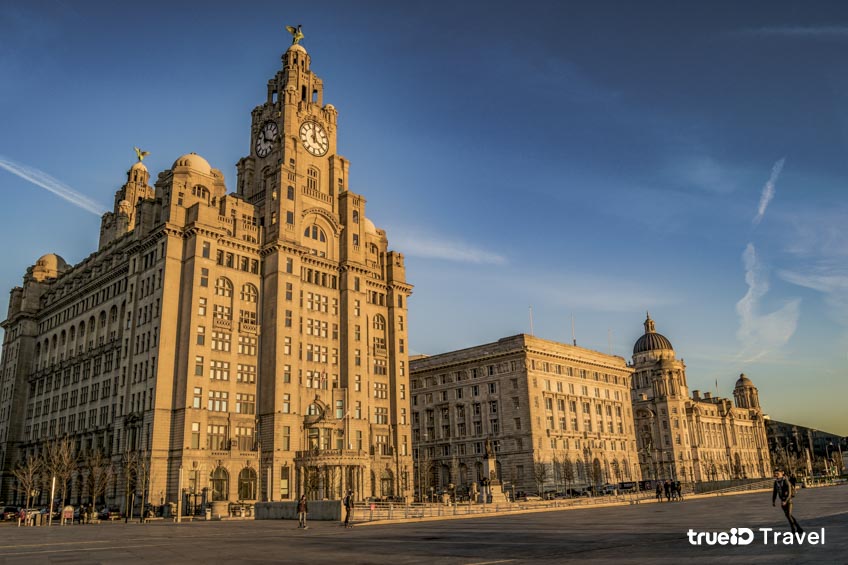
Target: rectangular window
(246, 374)
(218, 401)
(198, 366)
(219, 370)
(201, 335)
(201, 306)
(286, 403)
(245, 403)
(195, 435)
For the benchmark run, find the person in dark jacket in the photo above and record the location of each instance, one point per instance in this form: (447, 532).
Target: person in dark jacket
(783, 490)
(348, 506)
(301, 512)
(667, 489)
(659, 492)
(679, 490)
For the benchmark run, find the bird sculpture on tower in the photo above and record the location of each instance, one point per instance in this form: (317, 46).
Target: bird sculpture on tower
(141, 154)
(297, 34)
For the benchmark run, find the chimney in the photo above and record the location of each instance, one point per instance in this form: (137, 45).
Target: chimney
(696, 395)
(708, 396)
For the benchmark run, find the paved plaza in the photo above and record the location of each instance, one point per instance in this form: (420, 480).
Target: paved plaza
(645, 533)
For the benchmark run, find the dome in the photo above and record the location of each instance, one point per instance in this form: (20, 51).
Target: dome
(138, 166)
(651, 340)
(296, 47)
(48, 267)
(743, 381)
(370, 228)
(195, 162)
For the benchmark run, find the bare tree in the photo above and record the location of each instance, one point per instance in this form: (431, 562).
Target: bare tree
(142, 473)
(99, 469)
(567, 471)
(128, 476)
(540, 474)
(28, 475)
(60, 462)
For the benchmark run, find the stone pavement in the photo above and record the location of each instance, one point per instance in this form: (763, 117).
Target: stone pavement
(655, 533)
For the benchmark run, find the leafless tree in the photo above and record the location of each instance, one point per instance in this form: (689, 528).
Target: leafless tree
(567, 471)
(99, 470)
(540, 474)
(129, 467)
(143, 475)
(28, 475)
(60, 462)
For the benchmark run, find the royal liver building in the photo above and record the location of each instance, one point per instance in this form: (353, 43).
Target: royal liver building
(247, 345)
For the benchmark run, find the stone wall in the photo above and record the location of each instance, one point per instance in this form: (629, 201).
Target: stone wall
(316, 510)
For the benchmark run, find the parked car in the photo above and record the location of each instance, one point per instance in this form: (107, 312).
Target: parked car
(10, 513)
(108, 512)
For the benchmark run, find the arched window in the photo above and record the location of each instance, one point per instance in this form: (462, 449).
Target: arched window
(200, 192)
(62, 338)
(249, 293)
(103, 318)
(220, 481)
(379, 322)
(247, 484)
(315, 233)
(113, 315)
(223, 287)
(387, 483)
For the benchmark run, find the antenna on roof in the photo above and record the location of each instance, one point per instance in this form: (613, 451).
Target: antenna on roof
(531, 320)
(573, 337)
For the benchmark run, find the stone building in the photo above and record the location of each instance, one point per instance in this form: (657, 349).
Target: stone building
(803, 450)
(697, 438)
(541, 404)
(246, 346)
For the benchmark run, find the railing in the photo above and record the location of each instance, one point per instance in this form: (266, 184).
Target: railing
(248, 328)
(373, 511)
(316, 194)
(222, 323)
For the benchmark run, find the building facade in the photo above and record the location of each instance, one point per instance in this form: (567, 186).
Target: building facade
(692, 438)
(247, 346)
(803, 450)
(544, 407)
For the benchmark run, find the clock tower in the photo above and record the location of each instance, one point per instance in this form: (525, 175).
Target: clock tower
(333, 384)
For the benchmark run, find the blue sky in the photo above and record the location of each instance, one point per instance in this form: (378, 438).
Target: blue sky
(601, 160)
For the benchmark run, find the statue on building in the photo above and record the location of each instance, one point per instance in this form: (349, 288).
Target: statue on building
(141, 154)
(297, 34)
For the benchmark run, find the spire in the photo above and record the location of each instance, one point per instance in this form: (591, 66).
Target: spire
(650, 327)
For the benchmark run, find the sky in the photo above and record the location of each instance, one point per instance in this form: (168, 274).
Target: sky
(595, 160)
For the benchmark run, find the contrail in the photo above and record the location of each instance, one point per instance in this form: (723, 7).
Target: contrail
(45, 181)
(768, 191)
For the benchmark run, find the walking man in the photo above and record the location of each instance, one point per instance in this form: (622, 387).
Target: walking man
(667, 489)
(659, 492)
(301, 512)
(679, 490)
(783, 489)
(348, 506)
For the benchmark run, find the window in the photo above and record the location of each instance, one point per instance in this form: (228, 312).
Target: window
(221, 341)
(249, 293)
(246, 373)
(223, 287)
(218, 401)
(316, 233)
(201, 335)
(201, 307)
(493, 387)
(285, 492)
(245, 403)
(286, 403)
(204, 277)
(195, 435)
(247, 345)
(219, 370)
(216, 437)
(198, 366)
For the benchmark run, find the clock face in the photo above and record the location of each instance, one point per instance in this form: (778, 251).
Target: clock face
(314, 138)
(265, 139)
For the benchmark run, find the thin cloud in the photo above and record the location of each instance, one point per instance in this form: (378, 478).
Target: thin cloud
(831, 281)
(703, 173)
(768, 191)
(823, 32)
(45, 181)
(434, 247)
(760, 334)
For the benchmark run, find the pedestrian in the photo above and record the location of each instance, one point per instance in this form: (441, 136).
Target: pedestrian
(783, 489)
(679, 490)
(301, 512)
(793, 480)
(659, 492)
(348, 506)
(667, 489)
